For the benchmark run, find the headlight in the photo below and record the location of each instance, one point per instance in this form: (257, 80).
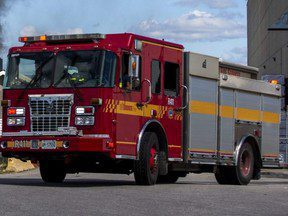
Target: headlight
(16, 111)
(85, 110)
(84, 120)
(16, 121)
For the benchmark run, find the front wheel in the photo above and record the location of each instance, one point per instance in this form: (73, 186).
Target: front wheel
(52, 171)
(147, 167)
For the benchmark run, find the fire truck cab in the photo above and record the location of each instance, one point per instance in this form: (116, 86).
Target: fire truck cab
(125, 103)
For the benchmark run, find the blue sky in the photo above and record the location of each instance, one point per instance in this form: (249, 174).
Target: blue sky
(214, 27)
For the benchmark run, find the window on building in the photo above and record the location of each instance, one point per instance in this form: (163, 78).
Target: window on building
(156, 76)
(171, 79)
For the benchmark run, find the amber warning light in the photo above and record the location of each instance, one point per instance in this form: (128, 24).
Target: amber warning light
(275, 82)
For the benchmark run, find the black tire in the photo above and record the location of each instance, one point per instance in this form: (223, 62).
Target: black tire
(240, 174)
(170, 178)
(147, 167)
(52, 171)
(245, 167)
(226, 175)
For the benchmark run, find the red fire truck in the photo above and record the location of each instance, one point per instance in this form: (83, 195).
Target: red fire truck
(125, 103)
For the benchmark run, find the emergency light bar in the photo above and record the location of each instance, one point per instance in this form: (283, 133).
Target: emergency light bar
(68, 37)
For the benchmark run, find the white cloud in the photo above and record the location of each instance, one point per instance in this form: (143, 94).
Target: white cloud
(193, 26)
(236, 55)
(28, 31)
(74, 31)
(32, 31)
(216, 4)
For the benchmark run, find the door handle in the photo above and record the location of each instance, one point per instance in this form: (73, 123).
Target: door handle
(149, 98)
(187, 98)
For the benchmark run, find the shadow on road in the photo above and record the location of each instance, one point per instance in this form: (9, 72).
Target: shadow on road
(34, 182)
(67, 183)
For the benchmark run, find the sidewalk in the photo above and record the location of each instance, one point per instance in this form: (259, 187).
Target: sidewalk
(275, 173)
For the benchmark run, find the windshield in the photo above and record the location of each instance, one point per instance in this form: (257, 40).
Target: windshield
(29, 69)
(85, 69)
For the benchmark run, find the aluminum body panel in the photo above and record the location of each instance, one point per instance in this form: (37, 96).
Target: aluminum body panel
(203, 65)
(250, 85)
(248, 100)
(203, 126)
(227, 124)
(270, 132)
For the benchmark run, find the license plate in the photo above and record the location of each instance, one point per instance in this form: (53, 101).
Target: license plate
(34, 144)
(48, 144)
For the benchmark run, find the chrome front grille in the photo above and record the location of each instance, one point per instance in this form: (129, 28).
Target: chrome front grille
(49, 112)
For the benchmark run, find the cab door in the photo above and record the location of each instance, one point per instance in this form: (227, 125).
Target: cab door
(165, 76)
(173, 100)
(128, 116)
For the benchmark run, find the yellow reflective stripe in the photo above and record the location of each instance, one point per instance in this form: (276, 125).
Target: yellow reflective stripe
(161, 45)
(207, 108)
(248, 114)
(226, 152)
(126, 143)
(202, 150)
(130, 108)
(270, 117)
(202, 107)
(174, 146)
(227, 112)
(199, 107)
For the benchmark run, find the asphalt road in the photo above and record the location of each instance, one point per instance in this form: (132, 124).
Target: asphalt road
(101, 194)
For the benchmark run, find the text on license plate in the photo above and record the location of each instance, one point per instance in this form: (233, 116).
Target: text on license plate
(34, 144)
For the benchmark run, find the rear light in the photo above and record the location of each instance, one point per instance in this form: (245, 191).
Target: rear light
(88, 110)
(110, 145)
(16, 111)
(16, 121)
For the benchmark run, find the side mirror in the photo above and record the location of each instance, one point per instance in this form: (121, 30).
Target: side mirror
(134, 66)
(2, 75)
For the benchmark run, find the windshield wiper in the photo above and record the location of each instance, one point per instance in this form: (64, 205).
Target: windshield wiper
(74, 87)
(37, 76)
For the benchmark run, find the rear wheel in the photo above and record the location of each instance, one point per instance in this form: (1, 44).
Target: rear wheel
(245, 163)
(242, 173)
(147, 167)
(52, 171)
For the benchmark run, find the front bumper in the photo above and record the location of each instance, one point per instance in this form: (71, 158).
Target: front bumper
(73, 144)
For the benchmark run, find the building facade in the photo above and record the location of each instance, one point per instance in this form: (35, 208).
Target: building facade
(267, 50)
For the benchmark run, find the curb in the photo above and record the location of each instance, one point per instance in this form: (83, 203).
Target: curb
(277, 173)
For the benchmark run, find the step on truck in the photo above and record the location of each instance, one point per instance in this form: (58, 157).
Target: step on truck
(125, 103)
